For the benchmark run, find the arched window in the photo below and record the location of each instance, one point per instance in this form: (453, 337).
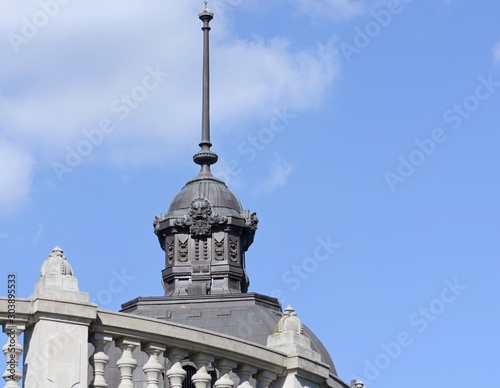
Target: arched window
(190, 371)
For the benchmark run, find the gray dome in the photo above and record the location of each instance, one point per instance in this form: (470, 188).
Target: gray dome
(251, 317)
(210, 188)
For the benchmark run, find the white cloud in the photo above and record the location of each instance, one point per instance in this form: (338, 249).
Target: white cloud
(16, 171)
(337, 10)
(65, 78)
(496, 52)
(279, 173)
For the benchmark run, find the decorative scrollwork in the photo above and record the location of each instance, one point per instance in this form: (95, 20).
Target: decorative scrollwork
(251, 220)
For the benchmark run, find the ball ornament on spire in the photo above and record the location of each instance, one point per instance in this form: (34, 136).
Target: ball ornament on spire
(206, 13)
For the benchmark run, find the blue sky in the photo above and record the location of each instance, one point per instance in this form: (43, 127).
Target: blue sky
(363, 133)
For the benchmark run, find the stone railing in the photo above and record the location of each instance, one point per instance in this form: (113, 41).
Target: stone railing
(179, 343)
(14, 317)
(70, 344)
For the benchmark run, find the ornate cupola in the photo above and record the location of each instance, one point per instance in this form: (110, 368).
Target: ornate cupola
(205, 232)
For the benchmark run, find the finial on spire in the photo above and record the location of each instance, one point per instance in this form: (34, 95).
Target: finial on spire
(205, 157)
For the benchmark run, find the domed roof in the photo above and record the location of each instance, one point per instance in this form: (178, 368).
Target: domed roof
(210, 188)
(251, 317)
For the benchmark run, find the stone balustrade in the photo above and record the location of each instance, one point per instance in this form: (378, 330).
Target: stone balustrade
(60, 334)
(237, 361)
(14, 322)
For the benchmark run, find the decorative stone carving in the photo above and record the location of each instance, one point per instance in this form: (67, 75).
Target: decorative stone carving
(200, 218)
(57, 279)
(170, 248)
(219, 249)
(205, 249)
(56, 264)
(357, 384)
(197, 249)
(233, 249)
(183, 250)
(157, 220)
(203, 268)
(289, 337)
(251, 220)
(290, 322)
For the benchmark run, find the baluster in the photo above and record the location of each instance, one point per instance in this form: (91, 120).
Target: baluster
(265, 378)
(153, 368)
(126, 363)
(201, 379)
(225, 367)
(12, 350)
(176, 374)
(245, 373)
(99, 359)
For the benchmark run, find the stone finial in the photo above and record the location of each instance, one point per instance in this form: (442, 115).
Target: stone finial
(357, 384)
(289, 337)
(57, 280)
(289, 322)
(56, 264)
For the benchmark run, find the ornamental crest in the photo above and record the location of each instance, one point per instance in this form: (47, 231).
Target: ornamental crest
(200, 218)
(251, 220)
(157, 220)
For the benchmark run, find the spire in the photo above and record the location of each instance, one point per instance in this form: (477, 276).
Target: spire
(205, 232)
(205, 157)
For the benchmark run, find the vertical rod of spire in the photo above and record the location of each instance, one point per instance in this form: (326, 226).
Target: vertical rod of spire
(205, 123)
(205, 157)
